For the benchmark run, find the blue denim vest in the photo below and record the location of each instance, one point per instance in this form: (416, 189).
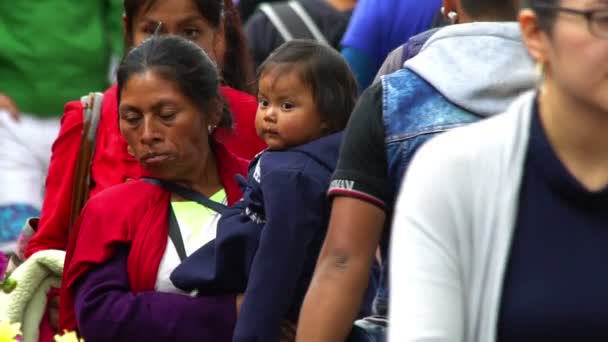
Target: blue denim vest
(413, 111)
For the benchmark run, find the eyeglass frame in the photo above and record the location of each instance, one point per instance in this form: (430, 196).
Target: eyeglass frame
(587, 14)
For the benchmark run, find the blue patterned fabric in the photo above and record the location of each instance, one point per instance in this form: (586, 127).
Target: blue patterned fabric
(413, 111)
(12, 218)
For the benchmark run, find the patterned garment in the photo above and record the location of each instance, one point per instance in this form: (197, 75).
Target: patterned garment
(12, 219)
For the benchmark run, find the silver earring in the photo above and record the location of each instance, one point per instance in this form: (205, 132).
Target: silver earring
(452, 16)
(211, 129)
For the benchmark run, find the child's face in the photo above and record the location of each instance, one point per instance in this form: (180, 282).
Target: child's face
(287, 115)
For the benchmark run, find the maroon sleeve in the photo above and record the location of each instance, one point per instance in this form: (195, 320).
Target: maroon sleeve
(107, 309)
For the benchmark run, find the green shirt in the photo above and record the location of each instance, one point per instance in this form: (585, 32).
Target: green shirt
(54, 51)
(195, 217)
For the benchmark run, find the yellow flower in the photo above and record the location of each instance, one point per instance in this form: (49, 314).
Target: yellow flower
(9, 332)
(67, 337)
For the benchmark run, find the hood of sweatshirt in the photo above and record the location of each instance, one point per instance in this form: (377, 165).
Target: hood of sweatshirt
(481, 67)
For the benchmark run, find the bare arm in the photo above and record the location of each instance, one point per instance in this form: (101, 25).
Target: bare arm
(341, 276)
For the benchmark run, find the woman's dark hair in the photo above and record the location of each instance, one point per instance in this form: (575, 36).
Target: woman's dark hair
(324, 70)
(182, 62)
(495, 10)
(237, 71)
(546, 15)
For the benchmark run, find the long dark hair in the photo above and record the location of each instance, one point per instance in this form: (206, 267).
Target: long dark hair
(237, 67)
(182, 62)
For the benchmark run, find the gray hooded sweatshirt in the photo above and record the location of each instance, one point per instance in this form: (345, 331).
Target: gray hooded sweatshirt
(493, 52)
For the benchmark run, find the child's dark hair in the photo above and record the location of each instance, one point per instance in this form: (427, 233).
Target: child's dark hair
(325, 71)
(238, 68)
(180, 61)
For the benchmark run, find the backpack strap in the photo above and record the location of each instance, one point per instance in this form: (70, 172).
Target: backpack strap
(175, 234)
(174, 231)
(292, 21)
(188, 194)
(91, 105)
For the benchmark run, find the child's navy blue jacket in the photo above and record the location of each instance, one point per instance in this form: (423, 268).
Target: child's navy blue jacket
(268, 243)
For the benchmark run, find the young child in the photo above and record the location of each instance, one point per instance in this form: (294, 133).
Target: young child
(268, 243)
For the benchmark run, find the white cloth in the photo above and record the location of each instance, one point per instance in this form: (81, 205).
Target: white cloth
(26, 304)
(452, 230)
(25, 150)
(192, 242)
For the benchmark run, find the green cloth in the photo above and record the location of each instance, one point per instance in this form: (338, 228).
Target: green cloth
(194, 215)
(54, 51)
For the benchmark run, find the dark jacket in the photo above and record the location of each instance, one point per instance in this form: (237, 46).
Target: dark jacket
(268, 243)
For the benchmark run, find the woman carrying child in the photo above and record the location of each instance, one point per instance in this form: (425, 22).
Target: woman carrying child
(116, 281)
(212, 25)
(268, 243)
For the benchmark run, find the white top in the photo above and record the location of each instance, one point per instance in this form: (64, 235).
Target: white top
(452, 230)
(194, 237)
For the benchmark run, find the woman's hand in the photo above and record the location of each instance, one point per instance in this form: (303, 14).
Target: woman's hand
(6, 103)
(53, 309)
(240, 298)
(288, 332)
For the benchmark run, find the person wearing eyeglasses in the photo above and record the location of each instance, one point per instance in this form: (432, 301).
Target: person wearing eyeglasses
(464, 73)
(506, 240)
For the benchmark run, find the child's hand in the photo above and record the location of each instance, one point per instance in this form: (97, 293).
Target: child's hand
(7, 104)
(240, 298)
(53, 310)
(288, 332)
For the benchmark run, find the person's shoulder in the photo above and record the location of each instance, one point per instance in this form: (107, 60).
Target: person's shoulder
(285, 161)
(289, 163)
(257, 20)
(401, 74)
(241, 104)
(229, 161)
(405, 87)
(111, 92)
(488, 139)
(295, 163)
(231, 94)
(371, 97)
(125, 195)
(392, 63)
(73, 110)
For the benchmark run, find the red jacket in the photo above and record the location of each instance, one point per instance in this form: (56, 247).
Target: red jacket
(134, 213)
(112, 164)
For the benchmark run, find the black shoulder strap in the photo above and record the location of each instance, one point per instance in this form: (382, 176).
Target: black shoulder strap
(175, 235)
(292, 21)
(188, 194)
(174, 232)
